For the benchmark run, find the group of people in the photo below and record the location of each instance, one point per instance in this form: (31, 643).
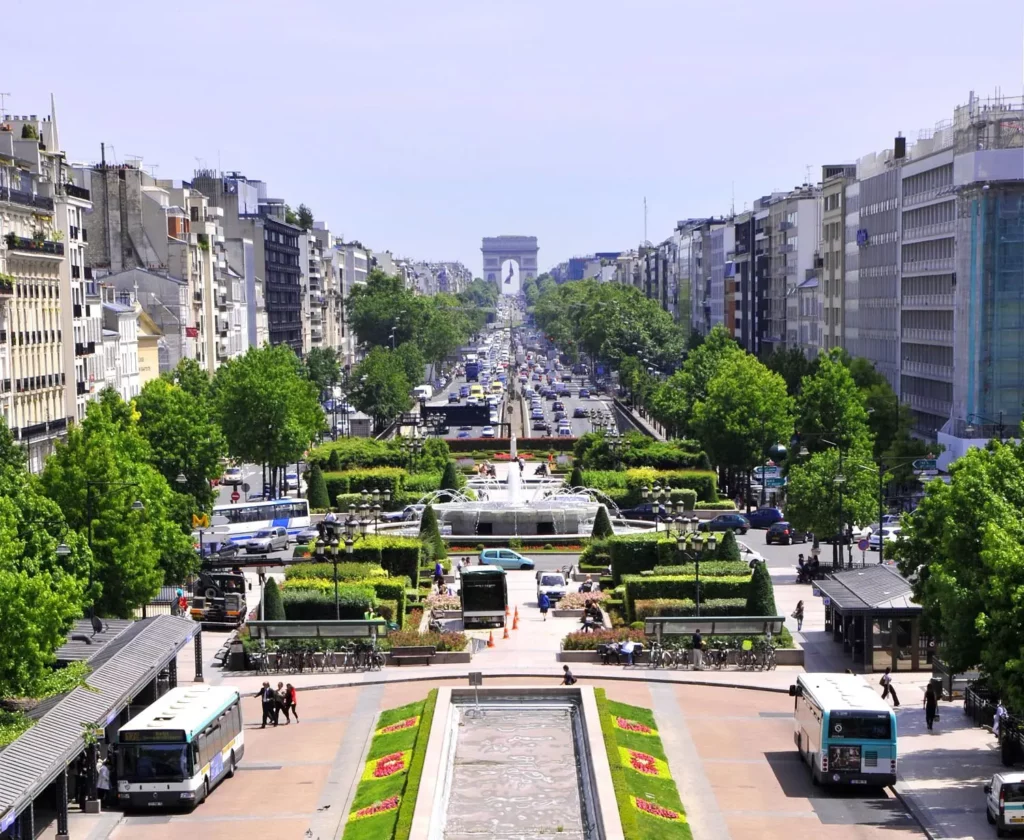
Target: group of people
(618, 651)
(807, 570)
(592, 618)
(487, 470)
(283, 699)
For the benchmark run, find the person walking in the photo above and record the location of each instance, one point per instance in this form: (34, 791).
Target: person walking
(567, 677)
(888, 688)
(103, 782)
(931, 704)
(266, 695)
(544, 602)
(439, 576)
(798, 614)
(282, 702)
(293, 700)
(698, 650)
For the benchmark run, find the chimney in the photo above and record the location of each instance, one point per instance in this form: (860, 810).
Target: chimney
(900, 150)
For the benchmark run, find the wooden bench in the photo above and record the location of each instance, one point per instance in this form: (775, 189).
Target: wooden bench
(400, 655)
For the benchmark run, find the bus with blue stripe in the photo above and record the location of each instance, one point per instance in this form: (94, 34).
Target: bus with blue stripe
(178, 749)
(844, 730)
(244, 519)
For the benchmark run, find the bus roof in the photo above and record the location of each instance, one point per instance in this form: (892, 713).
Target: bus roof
(258, 503)
(483, 570)
(841, 691)
(188, 708)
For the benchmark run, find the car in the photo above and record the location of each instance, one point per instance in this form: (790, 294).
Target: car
(222, 551)
(558, 405)
(410, 513)
(465, 427)
(782, 533)
(472, 401)
(506, 559)
(579, 411)
(549, 394)
(540, 425)
(487, 432)
(748, 555)
(726, 522)
(1004, 802)
(291, 481)
(765, 517)
(536, 413)
(648, 511)
(559, 417)
(463, 392)
(584, 394)
(232, 477)
(463, 435)
(267, 540)
(889, 534)
(306, 535)
(565, 431)
(453, 397)
(563, 391)
(552, 584)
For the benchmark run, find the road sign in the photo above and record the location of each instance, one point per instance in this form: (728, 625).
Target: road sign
(925, 464)
(201, 521)
(767, 472)
(863, 545)
(234, 496)
(775, 482)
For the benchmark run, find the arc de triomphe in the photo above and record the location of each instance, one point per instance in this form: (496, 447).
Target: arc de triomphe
(522, 250)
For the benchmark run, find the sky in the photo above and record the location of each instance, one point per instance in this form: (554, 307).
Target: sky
(422, 127)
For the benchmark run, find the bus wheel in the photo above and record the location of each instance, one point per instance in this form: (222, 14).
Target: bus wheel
(206, 789)
(231, 766)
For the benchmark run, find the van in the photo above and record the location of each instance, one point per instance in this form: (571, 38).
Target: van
(476, 391)
(422, 392)
(1004, 802)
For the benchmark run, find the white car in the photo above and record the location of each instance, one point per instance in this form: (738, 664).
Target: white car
(232, 477)
(291, 481)
(890, 533)
(267, 540)
(487, 432)
(748, 555)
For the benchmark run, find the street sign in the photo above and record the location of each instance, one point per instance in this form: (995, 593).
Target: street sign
(767, 472)
(775, 482)
(925, 464)
(201, 521)
(863, 545)
(234, 496)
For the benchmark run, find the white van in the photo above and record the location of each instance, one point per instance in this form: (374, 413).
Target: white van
(421, 392)
(1004, 802)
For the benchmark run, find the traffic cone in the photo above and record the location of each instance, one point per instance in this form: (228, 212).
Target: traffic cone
(506, 636)
(490, 639)
(515, 620)
(508, 612)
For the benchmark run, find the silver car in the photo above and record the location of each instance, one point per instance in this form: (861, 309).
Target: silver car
(267, 540)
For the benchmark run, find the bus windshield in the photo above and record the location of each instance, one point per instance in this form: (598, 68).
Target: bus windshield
(859, 726)
(154, 762)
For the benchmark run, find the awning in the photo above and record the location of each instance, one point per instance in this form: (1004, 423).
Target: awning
(877, 589)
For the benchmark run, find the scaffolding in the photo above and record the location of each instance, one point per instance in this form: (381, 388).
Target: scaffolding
(993, 123)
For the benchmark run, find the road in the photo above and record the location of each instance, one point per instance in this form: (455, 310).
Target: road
(579, 425)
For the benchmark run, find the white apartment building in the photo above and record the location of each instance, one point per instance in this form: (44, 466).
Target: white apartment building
(120, 343)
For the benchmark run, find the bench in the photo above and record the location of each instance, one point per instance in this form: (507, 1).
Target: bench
(821, 574)
(400, 655)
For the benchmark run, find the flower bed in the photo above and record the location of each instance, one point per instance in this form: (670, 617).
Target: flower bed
(396, 752)
(581, 640)
(646, 795)
(578, 600)
(444, 602)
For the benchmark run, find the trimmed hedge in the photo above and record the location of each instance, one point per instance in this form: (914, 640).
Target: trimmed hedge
(422, 482)
(722, 504)
(398, 556)
(310, 605)
(761, 597)
(685, 607)
(375, 478)
(649, 587)
(710, 568)
(346, 571)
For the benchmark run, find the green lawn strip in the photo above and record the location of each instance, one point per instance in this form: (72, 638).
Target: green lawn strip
(415, 774)
(371, 791)
(628, 782)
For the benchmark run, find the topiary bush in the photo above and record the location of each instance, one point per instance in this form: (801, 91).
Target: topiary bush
(761, 595)
(648, 587)
(346, 571)
(576, 477)
(316, 489)
(451, 478)
(602, 525)
(273, 608)
(430, 534)
(728, 549)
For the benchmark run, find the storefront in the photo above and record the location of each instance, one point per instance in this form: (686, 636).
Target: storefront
(871, 611)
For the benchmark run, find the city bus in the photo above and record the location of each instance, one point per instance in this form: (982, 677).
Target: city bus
(484, 595)
(844, 730)
(178, 749)
(244, 519)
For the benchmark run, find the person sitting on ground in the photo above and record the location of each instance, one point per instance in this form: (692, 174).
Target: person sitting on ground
(567, 677)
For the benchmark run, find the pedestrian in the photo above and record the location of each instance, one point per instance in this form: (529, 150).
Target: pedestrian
(439, 576)
(931, 703)
(103, 782)
(698, 650)
(458, 567)
(567, 677)
(887, 688)
(544, 602)
(997, 720)
(798, 614)
(282, 702)
(266, 695)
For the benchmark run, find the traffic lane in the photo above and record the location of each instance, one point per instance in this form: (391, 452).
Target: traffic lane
(579, 425)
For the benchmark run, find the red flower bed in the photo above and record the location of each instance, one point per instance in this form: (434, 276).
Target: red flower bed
(388, 765)
(643, 763)
(655, 810)
(382, 807)
(408, 723)
(633, 726)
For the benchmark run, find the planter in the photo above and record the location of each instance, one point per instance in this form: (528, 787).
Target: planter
(461, 657)
(790, 656)
(557, 613)
(589, 656)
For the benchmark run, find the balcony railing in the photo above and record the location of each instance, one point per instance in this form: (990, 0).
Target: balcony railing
(938, 265)
(927, 301)
(786, 226)
(37, 246)
(928, 231)
(932, 371)
(932, 405)
(919, 334)
(39, 202)
(76, 192)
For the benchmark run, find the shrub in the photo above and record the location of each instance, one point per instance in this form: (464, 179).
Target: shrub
(316, 490)
(356, 453)
(449, 641)
(398, 556)
(576, 477)
(451, 478)
(582, 640)
(578, 600)
(685, 607)
(761, 594)
(644, 588)
(602, 525)
(709, 569)
(346, 571)
(310, 605)
(721, 504)
(421, 483)
(633, 553)
(376, 478)
(273, 608)
(704, 483)
(334, 461)
(430, 534)
(728, 549)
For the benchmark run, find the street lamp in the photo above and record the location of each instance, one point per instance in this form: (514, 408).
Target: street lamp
(63, 550)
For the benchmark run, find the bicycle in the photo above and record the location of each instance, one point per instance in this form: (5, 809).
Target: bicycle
(657, 656)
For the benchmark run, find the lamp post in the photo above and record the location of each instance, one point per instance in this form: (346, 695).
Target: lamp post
(687, 529)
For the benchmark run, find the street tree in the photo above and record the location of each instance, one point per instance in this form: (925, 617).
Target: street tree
(269, 412)
(191, 377)
(42, 591)
(322, 368)
(95, 477)
(792, 365)
(830, 408)
(380, 386)
(184, 440)
(964, 549)
(744, 411)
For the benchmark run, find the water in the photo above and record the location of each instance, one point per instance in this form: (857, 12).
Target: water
(515, 775)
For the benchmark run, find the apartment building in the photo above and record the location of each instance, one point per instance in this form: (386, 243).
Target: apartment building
(722, 240)
(740, 289)
(851, 270)
(832, 271)
(41, 272)
(120, 342)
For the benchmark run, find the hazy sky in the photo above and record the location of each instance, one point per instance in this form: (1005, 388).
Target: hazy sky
(420, 127)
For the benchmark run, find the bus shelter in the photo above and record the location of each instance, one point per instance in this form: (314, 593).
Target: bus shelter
(713, 625)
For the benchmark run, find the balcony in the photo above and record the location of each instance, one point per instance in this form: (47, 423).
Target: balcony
(27, 199)
(927, 336)
(34, 246)
(946, 192)
(939, 265)
(932, 405)
(197, 296)
(786, 226)
(914, 234)
(928, 370)
(6, 286)
(316, 316)
(928, 301)
(76, 192)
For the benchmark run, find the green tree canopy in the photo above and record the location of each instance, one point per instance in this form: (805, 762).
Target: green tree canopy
(190, 377)
(322, 367)
(381, 386)
(830, 409)
(99, 472)
(304, 217)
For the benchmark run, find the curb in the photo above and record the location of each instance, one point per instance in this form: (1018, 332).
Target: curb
(906, 799)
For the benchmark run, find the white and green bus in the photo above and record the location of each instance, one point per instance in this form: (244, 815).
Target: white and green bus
(177, 750)
(844, 730)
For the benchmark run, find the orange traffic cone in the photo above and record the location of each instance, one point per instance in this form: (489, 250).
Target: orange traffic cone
(515, 620)
(490, 639)
(506, 636)
(508, 612)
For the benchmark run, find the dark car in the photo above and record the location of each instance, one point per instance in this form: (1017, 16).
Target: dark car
(563, 391)
(649, 511)
(453, 397)
(765, 517)
(584, 394)
(579, 411)
(540, 425)
(726, 522)
(559, 415)
(222, 550)
(558, 405)
(549, 395)
(782, 533)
